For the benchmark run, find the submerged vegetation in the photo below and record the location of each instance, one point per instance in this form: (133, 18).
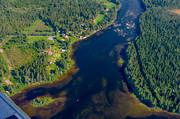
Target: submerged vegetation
(36, 37)
(153, 66)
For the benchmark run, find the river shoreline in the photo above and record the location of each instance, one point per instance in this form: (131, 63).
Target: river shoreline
(98, 90)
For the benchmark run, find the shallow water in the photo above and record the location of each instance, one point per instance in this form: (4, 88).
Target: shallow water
(96, 87)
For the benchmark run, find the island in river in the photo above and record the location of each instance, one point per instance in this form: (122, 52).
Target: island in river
(96, 87)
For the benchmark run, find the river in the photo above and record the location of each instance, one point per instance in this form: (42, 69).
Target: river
(96, 86)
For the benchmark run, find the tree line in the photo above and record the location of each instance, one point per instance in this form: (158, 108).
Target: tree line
(153, 58)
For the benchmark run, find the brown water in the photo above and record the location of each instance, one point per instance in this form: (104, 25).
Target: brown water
(96, 87)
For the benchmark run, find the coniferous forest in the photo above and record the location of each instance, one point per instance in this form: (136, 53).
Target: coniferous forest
(63, 15)
(153, 58)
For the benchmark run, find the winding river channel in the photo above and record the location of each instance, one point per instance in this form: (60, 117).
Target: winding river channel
(96, 87)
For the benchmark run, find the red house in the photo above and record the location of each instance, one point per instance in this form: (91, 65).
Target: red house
(49, 52)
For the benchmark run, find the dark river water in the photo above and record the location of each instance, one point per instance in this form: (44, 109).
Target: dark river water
(98, 88)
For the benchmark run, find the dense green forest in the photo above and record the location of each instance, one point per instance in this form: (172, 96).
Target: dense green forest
(153, 58)
(36, 37)
(63, 15)
(162, 3)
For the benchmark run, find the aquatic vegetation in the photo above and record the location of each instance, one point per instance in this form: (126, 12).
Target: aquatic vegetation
(42, 101)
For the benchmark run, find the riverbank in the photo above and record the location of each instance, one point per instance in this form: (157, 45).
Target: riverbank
(108, 25)
(97, 89)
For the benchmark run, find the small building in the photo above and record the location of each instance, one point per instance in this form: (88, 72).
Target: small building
(66, 36)
(62, 39)
(83, 24)
(63, 50)
(9, 110)
(50, 38)
(80, 37)
(49, 52)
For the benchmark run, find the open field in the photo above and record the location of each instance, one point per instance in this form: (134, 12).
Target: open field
(18, 57)
(101, 16)
(109, 5)
(39, 27)
(31, 39)
(99, 19)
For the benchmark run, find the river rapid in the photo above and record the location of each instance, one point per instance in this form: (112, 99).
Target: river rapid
(96, 87)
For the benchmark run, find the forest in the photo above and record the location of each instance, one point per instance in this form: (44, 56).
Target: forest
(64, 15)
(36, 37)
(153, 58)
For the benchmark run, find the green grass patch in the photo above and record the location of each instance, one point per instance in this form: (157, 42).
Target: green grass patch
(109, 5)
(120, 62)
(39, 27)
(18, 57)
(102, 1)
(42, 101)
(99, 19)
(32, 39)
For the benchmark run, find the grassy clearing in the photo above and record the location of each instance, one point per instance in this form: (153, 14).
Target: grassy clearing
(32, 39)
(103, 1)
(99, 19)
(42, 101)
(18, 57)
(18, 10)
(109, 5)
(120, 62)
(39, 27)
